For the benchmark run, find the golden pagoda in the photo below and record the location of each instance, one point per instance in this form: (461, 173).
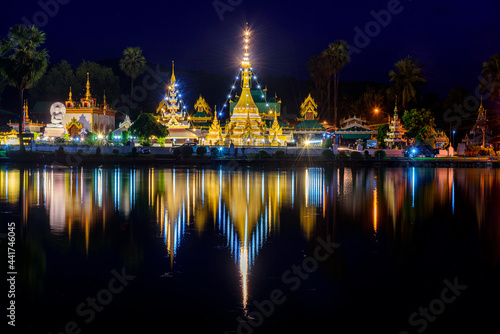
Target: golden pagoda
(246, 127)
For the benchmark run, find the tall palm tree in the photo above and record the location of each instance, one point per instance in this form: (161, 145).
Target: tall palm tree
(21, 62)
(318, 70)
(491, 71)
(337, 55)
(408, 78)
(133, 64)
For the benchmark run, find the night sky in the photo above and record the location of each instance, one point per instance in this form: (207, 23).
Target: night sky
(451, 38)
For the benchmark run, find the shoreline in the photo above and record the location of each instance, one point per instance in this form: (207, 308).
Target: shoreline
(84, 160)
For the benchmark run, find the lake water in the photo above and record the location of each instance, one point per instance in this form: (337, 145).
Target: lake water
(305, 250)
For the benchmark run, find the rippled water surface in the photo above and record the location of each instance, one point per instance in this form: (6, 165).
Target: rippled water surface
(125, 250)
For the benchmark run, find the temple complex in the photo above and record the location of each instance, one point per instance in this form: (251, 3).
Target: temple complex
(246, 125)
(88, 115)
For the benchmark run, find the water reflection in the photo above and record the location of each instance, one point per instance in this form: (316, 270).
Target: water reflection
(244, 207)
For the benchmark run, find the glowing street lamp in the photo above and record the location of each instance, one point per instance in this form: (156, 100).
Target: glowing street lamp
(377, 110)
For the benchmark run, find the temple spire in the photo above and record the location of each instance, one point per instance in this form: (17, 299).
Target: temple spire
(70, 94)
(25, 108)
(396, 105)
(246, 101)
(87, 94)
(172, 79)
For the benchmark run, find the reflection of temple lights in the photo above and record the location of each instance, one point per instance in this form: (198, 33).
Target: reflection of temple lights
(117, 188)
(453, 193)
(98, 184)
(413, 187)
(375, 223)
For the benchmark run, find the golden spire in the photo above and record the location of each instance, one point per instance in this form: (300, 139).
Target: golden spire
(70, 94)
(104, 107)
(172, 79)
(246, 101)
(25, 108)
(396, 105)
(87, 94)
(246, 59)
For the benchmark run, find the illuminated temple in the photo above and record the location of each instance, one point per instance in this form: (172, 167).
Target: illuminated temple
(247, 126)
(88, 114)
(172, 114)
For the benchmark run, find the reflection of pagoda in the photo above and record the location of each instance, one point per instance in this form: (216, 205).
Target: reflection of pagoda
(396, 131)
(246, 126)
(88, 114)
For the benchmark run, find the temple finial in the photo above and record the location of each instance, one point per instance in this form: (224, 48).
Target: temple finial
(87, 94)
(70, 94)
(172, 79)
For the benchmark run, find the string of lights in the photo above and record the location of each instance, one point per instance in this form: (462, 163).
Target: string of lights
(229, 96)
(245, 63)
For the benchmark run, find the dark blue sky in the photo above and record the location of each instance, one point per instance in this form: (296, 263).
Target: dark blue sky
(451, 38)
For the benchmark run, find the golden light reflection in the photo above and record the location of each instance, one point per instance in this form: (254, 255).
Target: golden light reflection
(244, 206)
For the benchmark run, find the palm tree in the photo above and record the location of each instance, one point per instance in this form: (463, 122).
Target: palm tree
(318, 70)
(21, 63)
(491, 71)
(337, 55)
(408, 79)
(133, 64)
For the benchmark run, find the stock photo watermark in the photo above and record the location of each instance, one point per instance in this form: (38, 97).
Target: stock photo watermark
(292, 279)
(150, 81)
(11, 273)
(420, 319)
(460, 112)
(48, 9)
(88, 309)
(382, 18)
(223, 6)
